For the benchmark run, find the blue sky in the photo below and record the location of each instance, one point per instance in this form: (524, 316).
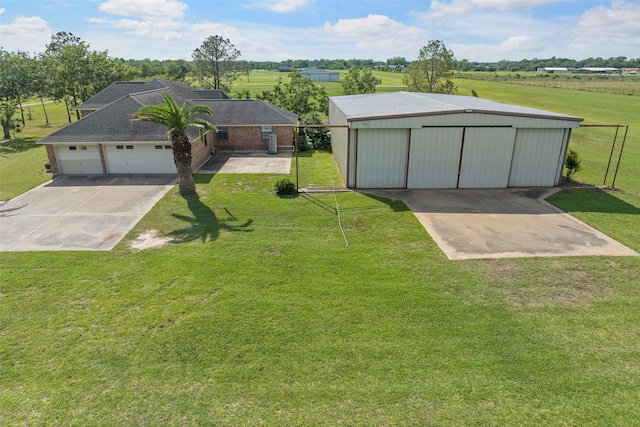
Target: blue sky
(477, 30)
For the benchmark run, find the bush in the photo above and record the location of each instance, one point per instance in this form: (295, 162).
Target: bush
(572, 163)
(284, 187)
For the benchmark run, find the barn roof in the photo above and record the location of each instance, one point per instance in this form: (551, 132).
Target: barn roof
(412, 104)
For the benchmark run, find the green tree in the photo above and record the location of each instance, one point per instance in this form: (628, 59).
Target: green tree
(16, 77)
(357, 81)
(7, 120)
(78, 73)
(432, 71)
(177, 119)
(302, 97)
(214, 63)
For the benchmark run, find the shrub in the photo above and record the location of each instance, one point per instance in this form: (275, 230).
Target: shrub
(572, 163)
(284, 187)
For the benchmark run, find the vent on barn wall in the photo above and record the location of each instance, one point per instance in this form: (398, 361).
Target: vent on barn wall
(273, 144)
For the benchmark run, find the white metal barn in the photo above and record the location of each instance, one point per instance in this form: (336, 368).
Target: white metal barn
(423, 140)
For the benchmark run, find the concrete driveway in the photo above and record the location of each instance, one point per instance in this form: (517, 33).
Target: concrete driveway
(502, 223)
(91, 212)
(248, 162)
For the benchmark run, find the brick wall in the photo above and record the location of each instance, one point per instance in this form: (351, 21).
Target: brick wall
(249, 138)
(200, 152)
(53, 162)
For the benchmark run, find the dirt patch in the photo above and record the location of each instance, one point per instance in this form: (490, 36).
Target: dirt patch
(548, 284)
(149, 239)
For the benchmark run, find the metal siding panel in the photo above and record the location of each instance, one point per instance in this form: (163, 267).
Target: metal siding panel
(535, 159)
(434, 158)
(486, 157)
(381, 158)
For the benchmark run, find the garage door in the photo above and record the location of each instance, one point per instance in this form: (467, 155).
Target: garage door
(140, 159)
(486, 157)
(78, 159)
(434, 158)
(537, 159)
(381, 158)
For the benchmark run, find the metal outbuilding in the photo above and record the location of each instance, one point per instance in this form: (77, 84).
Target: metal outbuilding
(423, 140)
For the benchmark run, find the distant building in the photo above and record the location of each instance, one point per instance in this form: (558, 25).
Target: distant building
(321, 75)
(594, 70)
(630, 70)
(552, 70)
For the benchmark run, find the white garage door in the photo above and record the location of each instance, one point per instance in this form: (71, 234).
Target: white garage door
(381, 158)
(138, 158)
(78, 159)
(434, 158)
(486, 157)
(537, 159)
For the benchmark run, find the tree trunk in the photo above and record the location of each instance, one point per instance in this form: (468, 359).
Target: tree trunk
(182, 159)
(46, 116)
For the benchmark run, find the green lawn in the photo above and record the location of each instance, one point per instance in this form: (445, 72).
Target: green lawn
(22, 161)
(262, 314)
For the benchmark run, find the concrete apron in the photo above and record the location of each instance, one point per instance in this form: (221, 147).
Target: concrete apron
(502, 223)
(247, 162)
(91, 212)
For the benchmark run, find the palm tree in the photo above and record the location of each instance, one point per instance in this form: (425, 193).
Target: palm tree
(177, 120)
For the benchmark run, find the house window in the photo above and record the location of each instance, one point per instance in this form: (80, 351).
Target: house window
(158, 147)
(266, 131)
(73, 148)
(167, 147)
(82, 147)
(119, 147)
(222, 132)
(129, 147)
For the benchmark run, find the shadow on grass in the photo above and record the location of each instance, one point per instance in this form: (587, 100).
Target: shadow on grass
(204, 224)
(395, 204)
(204, 178)
(591, 200)
(18, 145)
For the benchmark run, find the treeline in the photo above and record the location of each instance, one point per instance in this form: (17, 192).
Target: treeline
(534, 64)
(179, 69)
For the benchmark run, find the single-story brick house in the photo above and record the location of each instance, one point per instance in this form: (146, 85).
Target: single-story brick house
(107, 141)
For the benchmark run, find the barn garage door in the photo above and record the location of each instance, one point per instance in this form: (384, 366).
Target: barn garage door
(537, 157)
(140, 159)
(434, 158)
(486, 157)
(381, 158)
(78, 159)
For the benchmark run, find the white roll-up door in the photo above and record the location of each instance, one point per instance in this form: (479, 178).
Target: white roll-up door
(78, 159)
(138, 158)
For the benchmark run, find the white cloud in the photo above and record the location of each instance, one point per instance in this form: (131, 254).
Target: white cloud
(377, 33)
(30, 34)
(167, 9)
(511, 4)
(281, 6)
(2, 10)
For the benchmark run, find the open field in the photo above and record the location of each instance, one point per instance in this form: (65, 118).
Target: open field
(615, 84)
(262, 315)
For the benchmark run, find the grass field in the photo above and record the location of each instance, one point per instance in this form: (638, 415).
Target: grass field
(263, 315)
